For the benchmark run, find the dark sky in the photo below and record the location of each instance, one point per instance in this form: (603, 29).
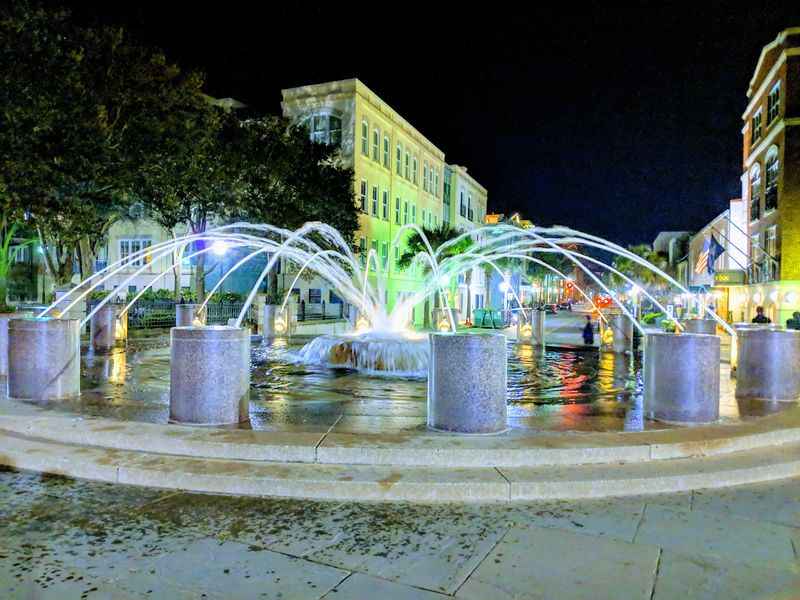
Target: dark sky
(622, 120)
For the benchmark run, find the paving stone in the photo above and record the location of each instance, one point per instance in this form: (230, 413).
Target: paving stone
(778, 501)
(715, 534)
(706, 578)
(428, 547)
(614, 518)
(234, 570)
(360, 587)
(547, 563)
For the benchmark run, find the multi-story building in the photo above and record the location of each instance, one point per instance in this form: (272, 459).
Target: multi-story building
(720, 285)
(771, 178)
(400, 177)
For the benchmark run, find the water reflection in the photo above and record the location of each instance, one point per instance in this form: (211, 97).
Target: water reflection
(585, 390)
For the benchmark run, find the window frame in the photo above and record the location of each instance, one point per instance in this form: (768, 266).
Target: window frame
(365, 137)
(774, 102)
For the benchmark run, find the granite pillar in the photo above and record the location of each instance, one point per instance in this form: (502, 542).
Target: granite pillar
(44, 359)
(767, 364)
(681, 377)
(467, 382)
(209, 375)
(190, 315)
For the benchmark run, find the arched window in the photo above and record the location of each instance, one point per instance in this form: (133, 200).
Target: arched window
(755, 193)
(324, 128)
(772, 166)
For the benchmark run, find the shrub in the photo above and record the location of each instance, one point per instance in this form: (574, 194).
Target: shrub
(650, 318)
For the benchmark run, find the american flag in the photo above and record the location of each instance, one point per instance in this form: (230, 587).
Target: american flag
(712, 250)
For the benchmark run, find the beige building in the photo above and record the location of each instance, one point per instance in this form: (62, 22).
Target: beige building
(400, 177)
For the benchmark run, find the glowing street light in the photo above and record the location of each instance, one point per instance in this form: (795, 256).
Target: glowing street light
(219, 247)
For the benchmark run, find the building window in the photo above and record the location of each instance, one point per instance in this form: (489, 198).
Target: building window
(756, 127)
(414, 171)
(325, 129)
(376, 145)
(462, 208)
(386, 205)
(397, 211)
(398, 159)
(362, 251)
(384, 254)
(407, 167)
(374, 200)
(130, 247)
(774, 103)
(363, 195)
(364, 138)
(755, 193)
(425, 176)
(314, 295)
(771, 180)
(386, 151)
(771, 253)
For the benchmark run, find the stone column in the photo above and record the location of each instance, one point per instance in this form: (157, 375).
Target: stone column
(530, 327)
(467, 382)
(706, 326)
(108, 328)
(767, 364)
(4, 319)
(44, 359)
(352, 317)
(622, 329)
(187, 315)
(681, 377)
(273, 321)
(209, 375)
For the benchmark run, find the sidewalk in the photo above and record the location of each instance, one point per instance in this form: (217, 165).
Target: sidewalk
(66, 539)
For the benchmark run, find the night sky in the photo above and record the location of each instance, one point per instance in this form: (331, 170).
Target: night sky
(623, 120)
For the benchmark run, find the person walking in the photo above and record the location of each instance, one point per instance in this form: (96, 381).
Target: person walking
(588, 332)
(760, 317)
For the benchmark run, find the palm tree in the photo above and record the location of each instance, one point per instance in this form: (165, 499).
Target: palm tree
(436, 237)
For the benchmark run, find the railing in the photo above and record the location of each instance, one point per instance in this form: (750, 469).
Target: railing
(157, 314)
(763, 271)
(307, 311)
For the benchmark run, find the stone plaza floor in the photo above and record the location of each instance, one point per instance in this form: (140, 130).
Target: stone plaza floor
(64, 539)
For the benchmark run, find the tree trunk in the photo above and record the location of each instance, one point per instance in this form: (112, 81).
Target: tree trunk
(200, 277)
(177, 270)
(87, 258)
(468, 280)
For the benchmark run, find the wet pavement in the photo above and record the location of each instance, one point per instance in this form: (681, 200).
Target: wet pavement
(66, 539)
(559, 390)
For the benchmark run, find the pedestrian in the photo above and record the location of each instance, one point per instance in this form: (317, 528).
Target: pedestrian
(588, 332)
(760, 318)
(794, 322)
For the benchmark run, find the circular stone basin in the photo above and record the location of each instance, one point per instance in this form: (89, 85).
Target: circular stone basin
(396, 354)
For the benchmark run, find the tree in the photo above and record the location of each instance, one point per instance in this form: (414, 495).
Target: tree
(79, 110)
(438, 236)
(290, 180)
(639, 273)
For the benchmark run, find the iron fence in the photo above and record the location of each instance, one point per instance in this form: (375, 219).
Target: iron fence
(156, 314)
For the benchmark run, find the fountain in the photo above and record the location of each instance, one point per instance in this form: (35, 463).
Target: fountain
(381, 340)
